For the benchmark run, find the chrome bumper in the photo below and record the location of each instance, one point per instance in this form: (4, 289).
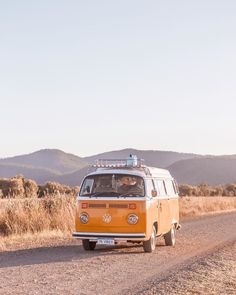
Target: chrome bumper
(114, 236)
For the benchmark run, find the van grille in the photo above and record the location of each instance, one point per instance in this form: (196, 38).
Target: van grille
(97, 205)
(118, 206)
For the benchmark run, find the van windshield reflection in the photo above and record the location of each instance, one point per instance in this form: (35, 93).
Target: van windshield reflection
(115, 185)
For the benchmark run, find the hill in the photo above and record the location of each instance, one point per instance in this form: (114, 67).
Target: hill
(37, 174)
(75, 178)
(55, 165)
(50, 159)
(211, 170)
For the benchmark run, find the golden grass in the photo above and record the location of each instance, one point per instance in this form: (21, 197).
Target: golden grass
(197, 206)
(32, 219)
(36, 215)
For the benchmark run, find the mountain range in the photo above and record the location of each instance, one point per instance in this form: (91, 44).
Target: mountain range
(56, 165)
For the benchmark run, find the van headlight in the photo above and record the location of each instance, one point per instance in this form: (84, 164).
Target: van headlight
(84, 218)
(132, 219)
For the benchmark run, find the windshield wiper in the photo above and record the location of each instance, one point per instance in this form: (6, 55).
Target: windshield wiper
(103, 193)
(130, 195)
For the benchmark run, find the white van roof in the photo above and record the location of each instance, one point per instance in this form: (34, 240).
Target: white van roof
(158, 172)
(143, 171)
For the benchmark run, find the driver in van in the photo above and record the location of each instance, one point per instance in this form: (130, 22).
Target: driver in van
(129, 185)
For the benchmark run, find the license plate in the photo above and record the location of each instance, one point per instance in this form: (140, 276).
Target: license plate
(105, 242)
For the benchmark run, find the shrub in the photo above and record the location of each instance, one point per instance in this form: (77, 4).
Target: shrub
(185, 190)
(56, 189)
(230, 189)
(31, 188)
(18, 187)
(12, 188)
(207, 190)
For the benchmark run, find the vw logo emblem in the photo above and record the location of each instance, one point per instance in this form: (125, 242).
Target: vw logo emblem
(106, 218)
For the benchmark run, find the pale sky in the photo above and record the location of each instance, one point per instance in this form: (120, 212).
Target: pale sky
(92, 76)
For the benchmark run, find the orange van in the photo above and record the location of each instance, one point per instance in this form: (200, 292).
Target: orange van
(124, 200)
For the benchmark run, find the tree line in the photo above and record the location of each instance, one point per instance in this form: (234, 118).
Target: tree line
(20, 187)
(227, 190)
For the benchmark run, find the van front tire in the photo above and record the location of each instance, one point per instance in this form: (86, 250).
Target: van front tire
(170, 237)
(88, 246)
(150, 245)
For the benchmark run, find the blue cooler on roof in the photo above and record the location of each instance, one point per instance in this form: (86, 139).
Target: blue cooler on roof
(132, 160)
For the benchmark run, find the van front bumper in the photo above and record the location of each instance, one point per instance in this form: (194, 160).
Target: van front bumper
(114, 236)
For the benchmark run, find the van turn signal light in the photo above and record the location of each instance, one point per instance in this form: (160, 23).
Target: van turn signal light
(84, 205)
(132, 206)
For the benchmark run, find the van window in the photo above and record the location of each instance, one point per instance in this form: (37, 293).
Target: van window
(87, 186)
(101, 185)
(161, 187)
(170, 187)
(149, 187)
(176, 187)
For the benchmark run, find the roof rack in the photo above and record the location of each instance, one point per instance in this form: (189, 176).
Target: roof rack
(121, 163)
(132, 162)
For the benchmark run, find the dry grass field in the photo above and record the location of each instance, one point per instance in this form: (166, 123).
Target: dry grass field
(19, 216)
(33, 219)
(197, 206)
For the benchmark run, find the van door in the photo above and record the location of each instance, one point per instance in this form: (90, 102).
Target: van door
(151, 206)
(163, 208)
(173, 201)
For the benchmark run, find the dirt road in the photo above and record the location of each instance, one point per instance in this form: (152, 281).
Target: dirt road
(117, 270)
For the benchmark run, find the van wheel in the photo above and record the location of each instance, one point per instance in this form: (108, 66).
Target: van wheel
(150, 245)
(87, 245)
(170, 237)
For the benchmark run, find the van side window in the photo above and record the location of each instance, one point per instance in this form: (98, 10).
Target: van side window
(156, 187)
(161, 187)
(170, 188)
(149, 187)
(176, 187)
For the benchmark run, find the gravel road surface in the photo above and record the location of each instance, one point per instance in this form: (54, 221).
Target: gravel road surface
(121, 269)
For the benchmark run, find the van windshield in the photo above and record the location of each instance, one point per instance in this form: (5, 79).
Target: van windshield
(106, 185)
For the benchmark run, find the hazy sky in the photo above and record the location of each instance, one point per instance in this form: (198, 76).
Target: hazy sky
(92, 76)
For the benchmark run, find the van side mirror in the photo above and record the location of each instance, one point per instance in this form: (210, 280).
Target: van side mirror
(154, 193)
